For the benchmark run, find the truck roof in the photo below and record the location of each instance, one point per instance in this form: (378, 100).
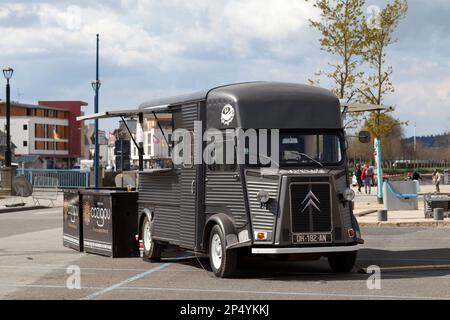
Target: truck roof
(247, 90)
(263, 105)
(269, 105)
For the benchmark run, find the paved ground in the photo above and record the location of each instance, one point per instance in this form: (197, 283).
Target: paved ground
(368, 204)
(415, 264)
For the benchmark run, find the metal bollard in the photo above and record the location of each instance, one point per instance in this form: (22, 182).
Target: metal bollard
(382, 215)
(438, 214)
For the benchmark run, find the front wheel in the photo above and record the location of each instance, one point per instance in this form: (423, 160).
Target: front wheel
(223, 262)
(152, 249)
(343, 261)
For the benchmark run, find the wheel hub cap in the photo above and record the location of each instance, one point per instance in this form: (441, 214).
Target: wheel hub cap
(216, 251)
(147, 236)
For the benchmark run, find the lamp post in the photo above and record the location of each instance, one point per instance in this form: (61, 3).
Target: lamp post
(8, 73)
(96, 86)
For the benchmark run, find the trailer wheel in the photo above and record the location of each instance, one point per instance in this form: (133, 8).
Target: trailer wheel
(223, 262)
(342, 262)
(152, 249)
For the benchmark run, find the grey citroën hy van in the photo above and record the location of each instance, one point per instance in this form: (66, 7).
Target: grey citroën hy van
(301, 208)
(297, 205)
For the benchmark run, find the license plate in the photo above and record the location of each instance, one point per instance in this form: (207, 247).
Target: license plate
(311, 238)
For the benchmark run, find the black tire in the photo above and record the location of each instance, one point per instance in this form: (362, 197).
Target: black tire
(228, 261)
(152, 252)
(343, 261)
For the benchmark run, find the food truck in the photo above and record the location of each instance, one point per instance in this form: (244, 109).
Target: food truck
(257, 168)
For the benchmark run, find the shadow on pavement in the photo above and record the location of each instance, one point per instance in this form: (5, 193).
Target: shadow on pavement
(394, 264)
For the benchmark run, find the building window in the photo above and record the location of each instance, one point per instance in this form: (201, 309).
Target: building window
(39, 130)
(25, 127)
(25, 143)
(40, 113)
(62, 115)
(50, 145)
(39, 145)
(62, 146)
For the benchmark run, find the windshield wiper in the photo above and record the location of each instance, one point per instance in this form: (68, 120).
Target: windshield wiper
(307, 156)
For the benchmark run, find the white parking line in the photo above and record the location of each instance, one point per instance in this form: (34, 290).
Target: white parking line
(47, 268)
(287, 293)
(403, 259)
(198, 290)
(120, 284)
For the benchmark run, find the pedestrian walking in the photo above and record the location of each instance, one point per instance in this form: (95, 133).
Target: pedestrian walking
(367, 176)
(437, 179)
(416, 175)
(358, 177)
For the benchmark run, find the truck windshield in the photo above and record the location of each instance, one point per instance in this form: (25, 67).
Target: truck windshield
(297, 149)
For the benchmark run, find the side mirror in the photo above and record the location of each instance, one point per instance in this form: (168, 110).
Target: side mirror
(364, 137)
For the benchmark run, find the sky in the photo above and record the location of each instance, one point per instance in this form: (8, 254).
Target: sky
(151, 49)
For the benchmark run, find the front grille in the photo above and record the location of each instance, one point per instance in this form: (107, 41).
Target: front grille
(310, 207)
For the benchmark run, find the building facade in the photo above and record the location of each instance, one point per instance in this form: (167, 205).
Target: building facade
(48, 130)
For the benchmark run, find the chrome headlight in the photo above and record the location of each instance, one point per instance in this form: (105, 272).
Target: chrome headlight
(349, 194)
(263, 196)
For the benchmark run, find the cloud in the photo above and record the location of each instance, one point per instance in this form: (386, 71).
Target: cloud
(154, 48)
(227, 26)
(273, 21)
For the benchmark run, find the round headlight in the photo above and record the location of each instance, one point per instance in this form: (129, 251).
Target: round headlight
(263, 196)
(349, 194)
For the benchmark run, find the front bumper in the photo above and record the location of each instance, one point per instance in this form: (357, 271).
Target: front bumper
(305, 250)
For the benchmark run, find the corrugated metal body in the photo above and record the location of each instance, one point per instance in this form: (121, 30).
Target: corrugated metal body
(188, 178)
(341, 185)
(224, 190)
(161, 194)
(262, 219)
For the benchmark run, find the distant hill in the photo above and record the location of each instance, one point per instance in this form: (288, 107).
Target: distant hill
(431, 141)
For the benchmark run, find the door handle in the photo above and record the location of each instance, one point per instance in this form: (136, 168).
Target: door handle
(192, 186)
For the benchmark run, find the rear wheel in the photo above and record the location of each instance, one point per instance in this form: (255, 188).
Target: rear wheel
(152, 249)
(343, 261)
(223, 262)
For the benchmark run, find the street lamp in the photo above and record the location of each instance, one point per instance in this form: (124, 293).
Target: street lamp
(96, 86)
(8, 73)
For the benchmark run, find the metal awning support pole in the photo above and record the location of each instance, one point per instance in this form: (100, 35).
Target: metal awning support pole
(161, 129)
(141, 144)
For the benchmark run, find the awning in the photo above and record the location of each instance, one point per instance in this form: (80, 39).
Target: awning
(124, 113)
(26, 159)
(349, 107)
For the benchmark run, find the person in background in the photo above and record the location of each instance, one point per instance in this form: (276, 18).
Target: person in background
(358, 173)
(437, 180)
(366, 177)
(416, 178)
(372, 169)
(409, 176)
